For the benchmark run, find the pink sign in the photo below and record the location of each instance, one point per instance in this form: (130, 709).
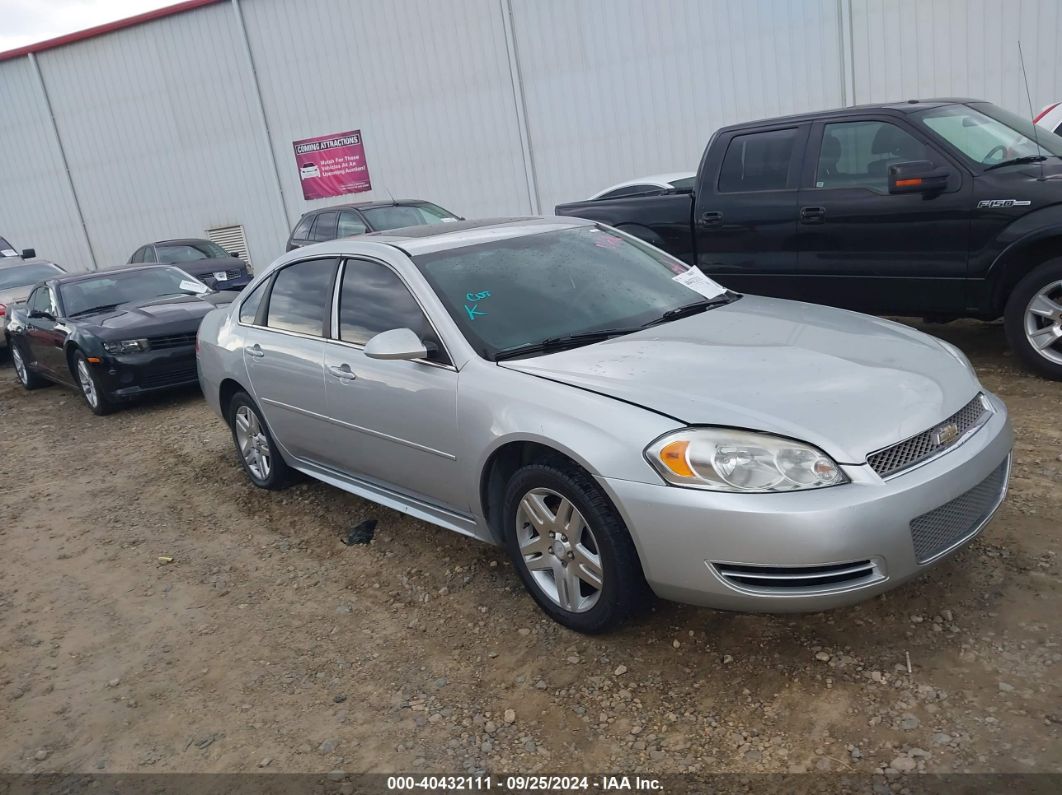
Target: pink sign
(332, 165)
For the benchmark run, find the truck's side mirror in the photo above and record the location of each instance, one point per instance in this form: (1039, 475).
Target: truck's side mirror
(29, 253)
(917, 176)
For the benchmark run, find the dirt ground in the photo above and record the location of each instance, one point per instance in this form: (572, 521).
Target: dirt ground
(268, 645)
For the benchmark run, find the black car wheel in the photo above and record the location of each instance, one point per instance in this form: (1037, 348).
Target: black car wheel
(255, 447)
(571, 548)
(25, 375)
(94, 395)
(1033, 319)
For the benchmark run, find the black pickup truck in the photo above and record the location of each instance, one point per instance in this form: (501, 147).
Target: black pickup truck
(939, 209)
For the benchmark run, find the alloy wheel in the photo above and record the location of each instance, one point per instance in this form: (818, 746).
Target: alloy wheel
(1043, 322)
(559, 549)
(253, 443)
(88, 386)
(20, 366)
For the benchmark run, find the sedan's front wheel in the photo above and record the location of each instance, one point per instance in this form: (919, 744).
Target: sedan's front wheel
(571, 548)
(257, 450)
(94, 395)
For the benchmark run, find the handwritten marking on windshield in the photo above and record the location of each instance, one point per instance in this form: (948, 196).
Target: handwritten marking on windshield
(473, 311)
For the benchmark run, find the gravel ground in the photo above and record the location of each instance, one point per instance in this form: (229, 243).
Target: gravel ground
(268, 645)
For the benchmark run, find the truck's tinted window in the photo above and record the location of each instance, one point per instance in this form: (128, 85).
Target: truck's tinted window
(758, 161)
(858, 154)
(325, 227)
(374, 299)
(301, 295)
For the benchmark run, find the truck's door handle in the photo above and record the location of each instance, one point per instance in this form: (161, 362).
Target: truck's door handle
(712, 218)
(342, 372)
(255, 351)
(812, 215)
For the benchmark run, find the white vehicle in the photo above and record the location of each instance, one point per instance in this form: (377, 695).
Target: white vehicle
(308, 170)
(648, 186)
(1050, 118)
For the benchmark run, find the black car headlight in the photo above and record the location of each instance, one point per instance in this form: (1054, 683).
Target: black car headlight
(126, 346)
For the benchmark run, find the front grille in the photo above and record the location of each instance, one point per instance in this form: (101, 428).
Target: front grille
(234, 274)
(172, 341)
(909, 452)
(939, 530)
(795, 579)
(182, 375)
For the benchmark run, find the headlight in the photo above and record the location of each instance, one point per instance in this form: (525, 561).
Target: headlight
(724, 459)
(126, 346)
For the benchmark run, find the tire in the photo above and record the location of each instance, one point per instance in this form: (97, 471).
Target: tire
(560, 572)
(256, 449)
(95, 398)
(1033, 319)
(29, 379)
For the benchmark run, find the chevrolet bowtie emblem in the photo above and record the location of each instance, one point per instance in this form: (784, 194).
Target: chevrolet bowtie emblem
(945, 434)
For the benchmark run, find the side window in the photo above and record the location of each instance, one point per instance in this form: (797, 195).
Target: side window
(858, 154)
(149, 254)
(249, 307)
(301, 296)
(302, 231)
(374, 299)
(325, 227)
(138, 256)
(349, 224)
(41, 301)
(758, 161)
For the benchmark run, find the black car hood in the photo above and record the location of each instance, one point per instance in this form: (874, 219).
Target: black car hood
(178, 314)
(205, 267)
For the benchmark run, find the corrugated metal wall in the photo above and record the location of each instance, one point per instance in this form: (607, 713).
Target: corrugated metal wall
(485, 106)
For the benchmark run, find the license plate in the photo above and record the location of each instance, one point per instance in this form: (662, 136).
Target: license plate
(220, 276)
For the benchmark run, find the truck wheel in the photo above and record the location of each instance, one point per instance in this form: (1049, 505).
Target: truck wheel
(1033, 319)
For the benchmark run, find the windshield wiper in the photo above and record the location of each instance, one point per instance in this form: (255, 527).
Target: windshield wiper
(566, 341)
(690, 309)
(103, 308)
(1015, 161)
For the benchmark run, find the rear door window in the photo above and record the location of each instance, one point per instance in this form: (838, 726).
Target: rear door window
(249, 307)
(350, 224)
(302, 231)
(324, 227)
(759, 161)
(301, 295)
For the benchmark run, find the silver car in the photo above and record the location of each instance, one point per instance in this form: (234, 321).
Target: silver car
(611, 417)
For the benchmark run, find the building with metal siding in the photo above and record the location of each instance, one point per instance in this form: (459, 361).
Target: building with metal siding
(182, 121)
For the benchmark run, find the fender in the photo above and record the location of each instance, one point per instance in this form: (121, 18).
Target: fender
(1001, 260)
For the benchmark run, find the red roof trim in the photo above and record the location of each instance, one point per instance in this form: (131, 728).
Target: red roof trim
(109, 27)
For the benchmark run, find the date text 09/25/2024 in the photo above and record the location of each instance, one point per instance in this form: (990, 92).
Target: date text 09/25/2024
(522, 783)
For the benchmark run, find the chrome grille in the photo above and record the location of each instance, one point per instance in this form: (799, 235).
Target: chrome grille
(909, 452)
(795, 579)
(172, 341)
(944, 527)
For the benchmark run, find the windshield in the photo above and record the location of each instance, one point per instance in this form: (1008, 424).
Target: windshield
(190, 252)
(399, 215)
(523, 290)
(25, 275)
(121, 287)
(987, 134)
(6, 249)
(684, 184)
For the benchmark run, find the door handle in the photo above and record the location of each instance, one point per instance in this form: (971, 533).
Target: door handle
(342, 372)
(812, 215)
(255, 351)
(711, 218)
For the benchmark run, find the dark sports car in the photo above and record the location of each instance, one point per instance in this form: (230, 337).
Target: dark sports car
(112, 335)
(206, 260)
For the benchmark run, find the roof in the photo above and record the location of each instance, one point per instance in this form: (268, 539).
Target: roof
(905, 107)
(430, 238)
(179, 241)
(109, 27)
(367, 205)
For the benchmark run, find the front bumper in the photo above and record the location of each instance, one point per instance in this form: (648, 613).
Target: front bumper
(130, 375)
(814, 550)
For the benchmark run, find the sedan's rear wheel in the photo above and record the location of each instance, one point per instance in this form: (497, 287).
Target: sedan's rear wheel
(255, 446)
(571, 548)
(1033, 319)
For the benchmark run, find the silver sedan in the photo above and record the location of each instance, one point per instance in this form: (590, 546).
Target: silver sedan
(613, 418)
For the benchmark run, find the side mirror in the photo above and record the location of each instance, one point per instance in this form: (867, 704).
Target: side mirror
(235, 254)
(35, 314)
(29, 253)
(398, 343)
(917, 176)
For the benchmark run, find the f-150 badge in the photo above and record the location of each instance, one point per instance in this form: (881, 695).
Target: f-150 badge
(993, 204)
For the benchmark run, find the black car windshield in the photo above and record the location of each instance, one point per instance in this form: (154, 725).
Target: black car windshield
(6, 249)
(523, 290)
(190, 252)
(398, 215)
(107, 290)
(25, 275)
(989, 135)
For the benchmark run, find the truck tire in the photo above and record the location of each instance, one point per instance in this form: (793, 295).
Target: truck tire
(1033, 319)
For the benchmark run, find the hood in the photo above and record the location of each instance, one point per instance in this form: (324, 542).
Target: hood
(15, 294)
(158, 316)
(847, 383)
